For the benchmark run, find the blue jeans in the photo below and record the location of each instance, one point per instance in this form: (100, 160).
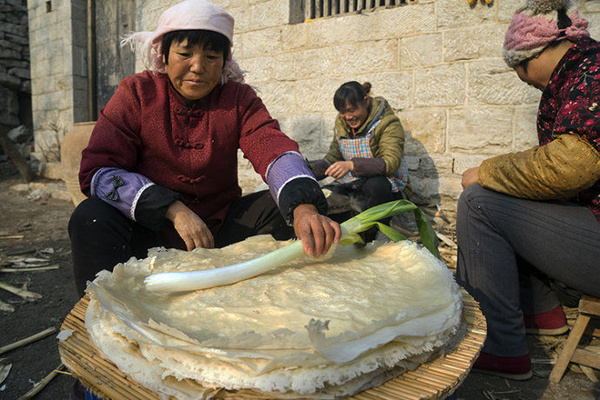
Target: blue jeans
(512, 252)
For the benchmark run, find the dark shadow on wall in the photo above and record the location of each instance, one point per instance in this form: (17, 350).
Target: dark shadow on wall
(424, 179)
(423, 173)
(114, 20)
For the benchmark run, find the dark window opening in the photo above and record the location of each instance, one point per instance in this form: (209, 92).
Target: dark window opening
(302, 10)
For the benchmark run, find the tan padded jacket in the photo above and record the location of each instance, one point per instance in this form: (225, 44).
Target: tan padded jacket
(560, 169)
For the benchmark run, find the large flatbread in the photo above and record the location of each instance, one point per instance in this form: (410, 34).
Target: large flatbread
(309, 328)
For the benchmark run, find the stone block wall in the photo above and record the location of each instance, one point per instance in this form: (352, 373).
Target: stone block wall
(438, 62)
(57, 39)
(15, 84)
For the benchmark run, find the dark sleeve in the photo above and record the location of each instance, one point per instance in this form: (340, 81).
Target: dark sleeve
(301, 191)
(153, 205)
(318, 168)
(368, 166)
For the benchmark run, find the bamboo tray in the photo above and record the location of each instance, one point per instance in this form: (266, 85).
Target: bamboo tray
(434, 380)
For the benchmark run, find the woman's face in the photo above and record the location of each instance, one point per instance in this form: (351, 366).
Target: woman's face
(537, 70)
(355, 115)
(194, 71)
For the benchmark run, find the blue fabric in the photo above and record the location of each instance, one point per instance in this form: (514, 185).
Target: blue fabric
(119, 188)
(91, 396)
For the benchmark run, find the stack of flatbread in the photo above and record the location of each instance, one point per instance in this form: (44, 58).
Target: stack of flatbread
(310, 328)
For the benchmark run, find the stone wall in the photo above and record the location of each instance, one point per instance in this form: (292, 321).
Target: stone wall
(58, 44)
(438, 62)
(15, 84)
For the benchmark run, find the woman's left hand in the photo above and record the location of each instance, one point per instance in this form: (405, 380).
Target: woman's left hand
(339, 169)
(316, 231)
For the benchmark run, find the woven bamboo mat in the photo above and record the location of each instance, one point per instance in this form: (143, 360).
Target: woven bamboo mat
(434, 380)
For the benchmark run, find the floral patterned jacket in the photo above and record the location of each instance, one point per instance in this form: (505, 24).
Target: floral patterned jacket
(566, 165)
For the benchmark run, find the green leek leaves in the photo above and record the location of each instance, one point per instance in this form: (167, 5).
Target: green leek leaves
(169, 282)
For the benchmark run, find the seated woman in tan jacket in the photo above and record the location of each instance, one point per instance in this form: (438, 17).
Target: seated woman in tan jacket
(366, 154)
(528, 223)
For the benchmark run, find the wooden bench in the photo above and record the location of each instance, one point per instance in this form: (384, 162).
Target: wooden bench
(589, 308)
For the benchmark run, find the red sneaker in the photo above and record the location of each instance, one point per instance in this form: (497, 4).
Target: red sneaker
(551, 323)
(517, 368)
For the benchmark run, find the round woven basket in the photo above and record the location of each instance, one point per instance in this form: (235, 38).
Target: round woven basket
(436, 379)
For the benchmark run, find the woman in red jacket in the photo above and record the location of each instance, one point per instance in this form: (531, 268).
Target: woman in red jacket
(161, 165)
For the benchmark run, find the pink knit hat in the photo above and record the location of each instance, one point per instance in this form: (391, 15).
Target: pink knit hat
(187, 15)
(536, 25)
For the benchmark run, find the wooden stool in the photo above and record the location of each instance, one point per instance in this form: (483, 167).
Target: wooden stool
(589, 307)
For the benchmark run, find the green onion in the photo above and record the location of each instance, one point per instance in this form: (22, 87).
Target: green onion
(169, 282)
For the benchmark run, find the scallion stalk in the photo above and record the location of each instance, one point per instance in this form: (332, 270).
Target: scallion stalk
(170, 282)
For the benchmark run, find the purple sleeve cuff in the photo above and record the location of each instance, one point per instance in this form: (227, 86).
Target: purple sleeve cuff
(284, 169)
(119, 188)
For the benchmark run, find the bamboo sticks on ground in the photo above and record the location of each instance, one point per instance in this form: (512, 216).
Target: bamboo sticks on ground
(27, 340)
(25, 294)
(37, 388)
(6, 307)
(17, 264)
(29, 269)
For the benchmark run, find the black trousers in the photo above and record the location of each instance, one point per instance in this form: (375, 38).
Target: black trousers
(364, 194)
(101, 236)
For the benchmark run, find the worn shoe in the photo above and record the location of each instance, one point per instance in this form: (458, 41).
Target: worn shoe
(517, 368)
(551, 323)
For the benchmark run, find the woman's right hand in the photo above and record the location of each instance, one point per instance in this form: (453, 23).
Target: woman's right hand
(190, 226)
(339, 168)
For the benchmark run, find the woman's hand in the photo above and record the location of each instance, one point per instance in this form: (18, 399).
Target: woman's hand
(190, 226)
(316, 231)
(339, 169)
(469, 177)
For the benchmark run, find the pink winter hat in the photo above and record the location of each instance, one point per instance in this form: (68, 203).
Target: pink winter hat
(193, 14)
(536, 25)
(187, 15)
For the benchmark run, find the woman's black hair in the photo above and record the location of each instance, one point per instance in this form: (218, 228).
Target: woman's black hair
(563, 21)
(210, 40)
(351, 93)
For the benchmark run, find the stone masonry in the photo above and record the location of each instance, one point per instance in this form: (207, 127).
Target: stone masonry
(15, 84)
(57, 39)
(438, 62)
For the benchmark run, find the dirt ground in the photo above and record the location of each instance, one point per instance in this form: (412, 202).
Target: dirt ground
(34, 225)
